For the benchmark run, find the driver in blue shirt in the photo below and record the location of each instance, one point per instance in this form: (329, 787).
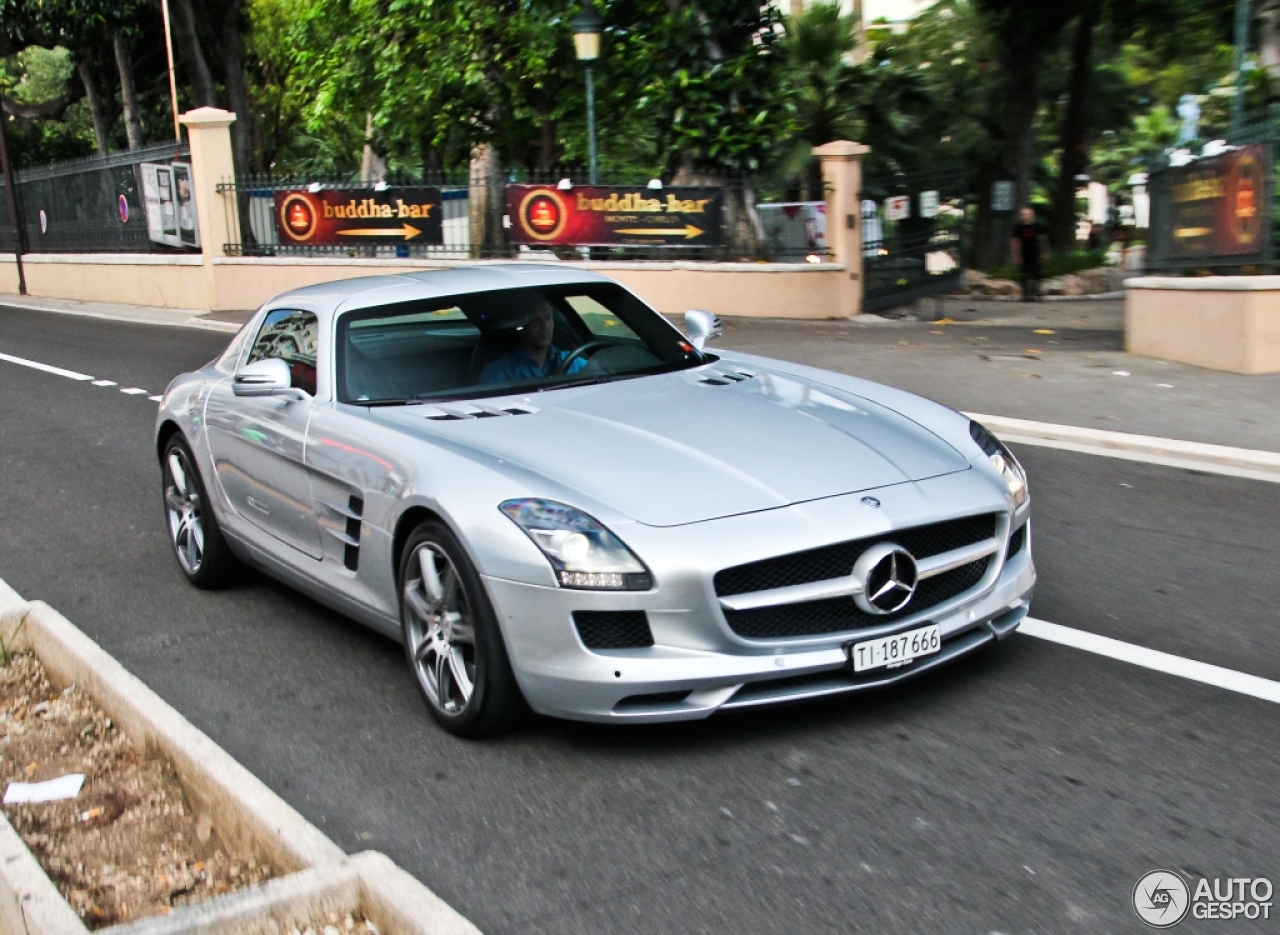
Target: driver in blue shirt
(534, 356)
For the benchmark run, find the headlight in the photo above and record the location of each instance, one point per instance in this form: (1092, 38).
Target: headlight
(583, 553)
(1002, 460)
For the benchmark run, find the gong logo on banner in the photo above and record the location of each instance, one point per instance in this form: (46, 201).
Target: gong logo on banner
(359, 216)
(599, 215)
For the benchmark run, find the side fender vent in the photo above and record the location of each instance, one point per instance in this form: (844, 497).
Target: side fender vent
(351, 517)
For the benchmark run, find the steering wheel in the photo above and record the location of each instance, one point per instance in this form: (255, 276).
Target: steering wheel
(584, 350)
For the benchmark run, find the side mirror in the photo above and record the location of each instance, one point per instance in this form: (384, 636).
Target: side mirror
(268, 377)
(702, 327)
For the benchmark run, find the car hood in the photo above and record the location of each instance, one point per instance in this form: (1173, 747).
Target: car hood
(675, 449)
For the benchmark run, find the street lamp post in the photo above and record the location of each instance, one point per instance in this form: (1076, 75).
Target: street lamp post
(1241, 41)
(587, 26)
(11, 197)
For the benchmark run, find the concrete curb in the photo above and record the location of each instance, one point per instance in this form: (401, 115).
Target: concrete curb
(246, 815)
(1094, 297)
(165, 317)
(1220, 459)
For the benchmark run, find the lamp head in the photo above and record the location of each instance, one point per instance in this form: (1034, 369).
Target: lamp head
(587, 27)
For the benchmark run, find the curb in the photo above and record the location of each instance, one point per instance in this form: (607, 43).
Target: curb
(248, 816)
(1220, 459)
(1095, 297)
(167, 317)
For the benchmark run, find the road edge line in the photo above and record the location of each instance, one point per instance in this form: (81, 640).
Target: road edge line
(1190, 669)
(1256, 464)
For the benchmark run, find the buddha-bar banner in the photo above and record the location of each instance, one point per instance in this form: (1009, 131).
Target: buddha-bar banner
(359, 217)
(616, 215)
(1219, 206)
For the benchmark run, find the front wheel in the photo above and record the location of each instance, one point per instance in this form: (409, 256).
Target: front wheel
(198, 545)
(451, 638)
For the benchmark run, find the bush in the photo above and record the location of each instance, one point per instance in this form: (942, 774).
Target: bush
(1058, 264)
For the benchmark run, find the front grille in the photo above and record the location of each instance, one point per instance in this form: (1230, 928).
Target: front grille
(1017, 540)
(613, 629)
(836, 561)
(841, 613)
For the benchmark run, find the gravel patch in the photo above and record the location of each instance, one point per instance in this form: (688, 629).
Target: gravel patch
(129, 845)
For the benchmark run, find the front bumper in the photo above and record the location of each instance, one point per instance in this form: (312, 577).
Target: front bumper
(673, 682)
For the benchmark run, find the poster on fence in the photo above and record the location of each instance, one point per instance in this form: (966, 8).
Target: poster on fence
(359, 217)
(600, 215)
(1218, 207)
(158, 197)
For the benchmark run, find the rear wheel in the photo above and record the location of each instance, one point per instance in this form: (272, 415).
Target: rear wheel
(202, 553)
(451, 637)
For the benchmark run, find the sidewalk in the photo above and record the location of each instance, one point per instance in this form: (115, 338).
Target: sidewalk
(1056, 362)
(1075, 372)
(138, 314)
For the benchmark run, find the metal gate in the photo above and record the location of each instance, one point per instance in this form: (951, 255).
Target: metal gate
(912, 236)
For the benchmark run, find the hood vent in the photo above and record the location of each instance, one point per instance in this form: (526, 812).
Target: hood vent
(457, 414)
(726, 377)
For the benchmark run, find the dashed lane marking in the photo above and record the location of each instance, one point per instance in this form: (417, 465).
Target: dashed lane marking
(1168, 663)
(35, 365)
(73, 375)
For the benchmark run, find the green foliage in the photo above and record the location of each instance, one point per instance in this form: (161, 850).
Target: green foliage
(1059, 263)
(34, 76)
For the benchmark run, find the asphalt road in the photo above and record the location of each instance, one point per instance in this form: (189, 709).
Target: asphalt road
(1022, 791)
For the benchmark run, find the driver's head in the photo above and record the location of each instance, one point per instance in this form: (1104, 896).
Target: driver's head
(537, 331)
(1028, 215)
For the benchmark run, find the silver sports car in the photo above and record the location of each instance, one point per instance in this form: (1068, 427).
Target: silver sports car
(558, 501)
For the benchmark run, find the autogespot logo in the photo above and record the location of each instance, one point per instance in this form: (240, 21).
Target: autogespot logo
(1161, 899)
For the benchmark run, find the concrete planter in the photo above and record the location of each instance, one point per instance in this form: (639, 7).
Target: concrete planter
(248, 816)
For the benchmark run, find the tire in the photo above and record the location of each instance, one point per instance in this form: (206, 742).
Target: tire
(452, 642)
(198, 545)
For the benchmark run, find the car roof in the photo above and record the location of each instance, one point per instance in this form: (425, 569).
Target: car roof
(344, 295)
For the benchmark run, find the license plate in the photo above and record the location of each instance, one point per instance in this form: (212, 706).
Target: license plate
(897, 650)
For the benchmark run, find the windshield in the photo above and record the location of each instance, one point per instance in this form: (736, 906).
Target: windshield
(501, 342)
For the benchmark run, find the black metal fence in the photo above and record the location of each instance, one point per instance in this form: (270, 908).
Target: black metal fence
(466, 215)
(913, 229)
(92, 205)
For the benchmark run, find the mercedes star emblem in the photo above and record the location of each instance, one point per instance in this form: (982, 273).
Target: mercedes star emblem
(888, 576)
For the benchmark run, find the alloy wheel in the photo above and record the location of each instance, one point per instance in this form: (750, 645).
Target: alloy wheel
(185, 512)
(440, 630)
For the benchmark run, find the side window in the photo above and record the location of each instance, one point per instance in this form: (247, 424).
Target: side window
(290, 336)
(599, 319)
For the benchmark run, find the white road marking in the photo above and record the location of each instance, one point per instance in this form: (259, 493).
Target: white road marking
(104, 383)
(1168, 663)
(156, 399)
(56, 371)
(133, 391)
(1249, 463)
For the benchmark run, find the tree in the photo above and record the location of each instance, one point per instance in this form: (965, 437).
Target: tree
(1023, 33)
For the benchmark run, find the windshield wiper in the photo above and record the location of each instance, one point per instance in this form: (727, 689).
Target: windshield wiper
(584, 381)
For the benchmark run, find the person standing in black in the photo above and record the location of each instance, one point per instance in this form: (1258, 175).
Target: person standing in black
(1030, 245)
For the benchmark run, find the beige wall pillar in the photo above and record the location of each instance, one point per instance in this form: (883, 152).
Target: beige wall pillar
(209, 132)
(842, 175)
